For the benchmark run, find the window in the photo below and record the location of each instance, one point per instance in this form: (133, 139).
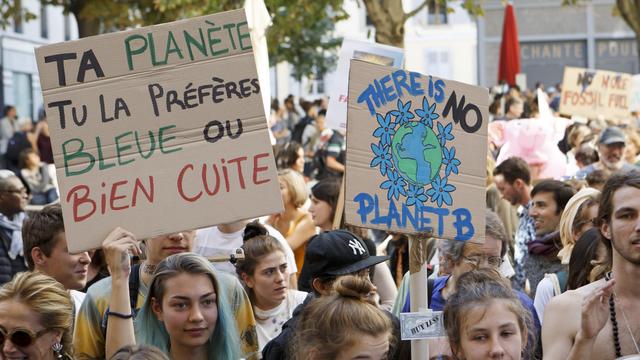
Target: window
(23, 94)
(44, 22)
(17, 18)
(437, 12)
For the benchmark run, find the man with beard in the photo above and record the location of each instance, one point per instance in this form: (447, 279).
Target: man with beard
(601, 320)
(513, 180)
(611, 146)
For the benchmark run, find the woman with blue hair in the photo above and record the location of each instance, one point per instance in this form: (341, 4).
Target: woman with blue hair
(186, 314)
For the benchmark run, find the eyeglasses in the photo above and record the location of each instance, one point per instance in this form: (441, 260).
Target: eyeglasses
(493, 261)
(20, 337)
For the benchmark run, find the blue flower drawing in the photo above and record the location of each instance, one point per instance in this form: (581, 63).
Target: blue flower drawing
(386, 129)
(415, 195)
(444, 133)
(390, 157)
(427, 113)
(440, 191)
(382, 159)
(449, 159)
(395, 185)
(404, 114)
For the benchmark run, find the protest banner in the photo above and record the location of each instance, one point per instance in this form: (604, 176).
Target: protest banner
(416, 153)
(158, 129)
(593, 93)
(336, 117)
(635, 93)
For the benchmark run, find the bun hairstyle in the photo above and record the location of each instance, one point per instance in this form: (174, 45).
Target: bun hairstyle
(257, 243)
(254, 229)
(331, 324)
(479, 288)
(356, 288)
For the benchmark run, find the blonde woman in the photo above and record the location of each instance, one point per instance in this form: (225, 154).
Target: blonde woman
(35, 318)
(577, 218)
(294, 223)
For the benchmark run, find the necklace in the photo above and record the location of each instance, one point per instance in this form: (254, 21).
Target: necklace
(614, 323)
(148, 268)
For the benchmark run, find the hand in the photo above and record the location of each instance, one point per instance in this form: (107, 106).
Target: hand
(595, 311)
(116, 248)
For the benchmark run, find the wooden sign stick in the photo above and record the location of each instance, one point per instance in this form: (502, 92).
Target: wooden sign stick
(337, 218)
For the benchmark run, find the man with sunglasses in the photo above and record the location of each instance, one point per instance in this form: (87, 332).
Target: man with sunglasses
(13, 200)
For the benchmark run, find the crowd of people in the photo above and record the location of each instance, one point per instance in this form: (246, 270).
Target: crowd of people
(555, 278)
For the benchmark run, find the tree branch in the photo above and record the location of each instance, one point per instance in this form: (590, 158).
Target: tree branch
(628, 11)
(416, 10)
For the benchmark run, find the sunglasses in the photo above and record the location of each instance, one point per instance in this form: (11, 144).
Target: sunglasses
(20, 337)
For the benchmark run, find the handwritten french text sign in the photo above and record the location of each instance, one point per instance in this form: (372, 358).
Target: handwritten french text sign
(158, 129)
(596, 93)
(416, 153)
(414, 326)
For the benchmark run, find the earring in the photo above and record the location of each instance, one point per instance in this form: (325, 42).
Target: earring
(57, 350)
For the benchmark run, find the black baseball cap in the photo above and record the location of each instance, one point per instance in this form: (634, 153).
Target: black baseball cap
(612, 135)
(337, 252)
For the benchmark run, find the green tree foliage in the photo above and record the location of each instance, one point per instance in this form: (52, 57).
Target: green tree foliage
(301, 33)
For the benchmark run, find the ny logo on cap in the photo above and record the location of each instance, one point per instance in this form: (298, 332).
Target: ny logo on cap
(356, 245)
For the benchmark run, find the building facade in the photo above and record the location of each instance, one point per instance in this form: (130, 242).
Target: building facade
(19, 80)
(437, 42)
(553, 36)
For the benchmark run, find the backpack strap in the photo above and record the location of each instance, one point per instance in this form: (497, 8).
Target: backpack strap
(134, 286)
(557, 290)
(563, 277)
(430, 284)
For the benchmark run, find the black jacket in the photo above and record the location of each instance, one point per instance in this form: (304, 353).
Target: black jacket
(9, 267)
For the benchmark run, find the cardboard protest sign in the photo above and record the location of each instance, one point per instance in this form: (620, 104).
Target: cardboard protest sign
(596, 93)
(355, 49)
(158, 129)
(416, 153)
(635, 93)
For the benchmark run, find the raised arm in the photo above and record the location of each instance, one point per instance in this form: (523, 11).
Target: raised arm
(117, 247)
(572, 324)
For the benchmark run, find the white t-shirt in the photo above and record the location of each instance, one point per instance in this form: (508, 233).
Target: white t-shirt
(78, 298)
(269, 322)
(212, 242)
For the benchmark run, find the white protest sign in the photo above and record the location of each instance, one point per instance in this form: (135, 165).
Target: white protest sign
(422, 325)
(355, 49)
